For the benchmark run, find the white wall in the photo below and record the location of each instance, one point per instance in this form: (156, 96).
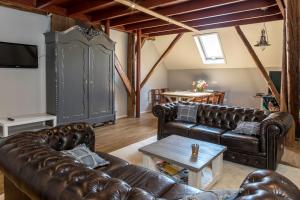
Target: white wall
(120, 91)
(159, 77)
(23, 91)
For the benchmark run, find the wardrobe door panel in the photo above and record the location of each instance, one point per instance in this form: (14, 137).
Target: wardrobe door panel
(73, 75)
(101, 81)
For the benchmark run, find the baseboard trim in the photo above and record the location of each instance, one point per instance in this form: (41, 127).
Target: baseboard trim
(147, 111)
(121, 116)
(125, 116)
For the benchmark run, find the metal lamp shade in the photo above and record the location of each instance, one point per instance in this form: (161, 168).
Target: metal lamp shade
(263, 42)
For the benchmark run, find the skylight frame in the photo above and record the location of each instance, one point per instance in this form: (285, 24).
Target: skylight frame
(202, 50)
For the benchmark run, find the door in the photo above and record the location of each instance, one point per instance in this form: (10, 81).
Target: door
(101, 81)
(73, 76)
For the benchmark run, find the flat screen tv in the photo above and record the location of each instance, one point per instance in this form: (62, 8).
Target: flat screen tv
(276, 79)
(18, 55)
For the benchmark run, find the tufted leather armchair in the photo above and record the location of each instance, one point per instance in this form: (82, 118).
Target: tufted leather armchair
(214, 124)
(34, 168)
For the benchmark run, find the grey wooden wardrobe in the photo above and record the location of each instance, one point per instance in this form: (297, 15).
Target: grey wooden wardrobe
(80, 76)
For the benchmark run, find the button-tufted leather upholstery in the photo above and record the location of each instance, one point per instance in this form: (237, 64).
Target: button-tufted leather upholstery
(267, 185)
(214, 124)
(34, 168)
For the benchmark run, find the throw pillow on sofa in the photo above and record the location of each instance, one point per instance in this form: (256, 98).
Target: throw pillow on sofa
(187, 113)
(85, 156)
(247, 128)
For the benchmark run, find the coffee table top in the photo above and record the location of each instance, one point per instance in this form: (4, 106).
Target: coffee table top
(177, 150)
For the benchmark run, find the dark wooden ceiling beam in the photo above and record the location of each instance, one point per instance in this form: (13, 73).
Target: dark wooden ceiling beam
(176, 9)
(223, 25)
(88, 6)
(212, 12)
(281, 7)
(120, 10)
(166, 52)
(29, 3)
(42, 3)
(217, 20)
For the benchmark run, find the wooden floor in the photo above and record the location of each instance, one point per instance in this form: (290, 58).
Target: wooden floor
(125, 132)
(129, 130)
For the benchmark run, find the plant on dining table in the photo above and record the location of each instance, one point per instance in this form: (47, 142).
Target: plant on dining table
(199, 86)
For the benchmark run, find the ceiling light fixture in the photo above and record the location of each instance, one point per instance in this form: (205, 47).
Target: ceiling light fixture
(264, 39)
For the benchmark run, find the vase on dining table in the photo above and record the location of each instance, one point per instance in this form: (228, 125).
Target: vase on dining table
(199, 89)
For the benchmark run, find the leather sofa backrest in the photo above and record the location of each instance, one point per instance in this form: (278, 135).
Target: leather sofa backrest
(226, 117)
(33, 163)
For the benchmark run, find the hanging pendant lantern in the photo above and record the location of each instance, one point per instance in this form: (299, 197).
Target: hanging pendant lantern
(264, 39)
(263, 42)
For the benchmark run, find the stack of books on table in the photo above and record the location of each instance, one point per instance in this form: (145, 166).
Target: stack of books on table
(176, 173)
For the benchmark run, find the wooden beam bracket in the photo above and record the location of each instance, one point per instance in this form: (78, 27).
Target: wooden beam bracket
(166, 52)
(123, 76)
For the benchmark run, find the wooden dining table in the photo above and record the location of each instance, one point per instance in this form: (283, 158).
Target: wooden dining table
(184, 95)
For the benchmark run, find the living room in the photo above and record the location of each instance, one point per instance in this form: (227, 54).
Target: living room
(180, 99)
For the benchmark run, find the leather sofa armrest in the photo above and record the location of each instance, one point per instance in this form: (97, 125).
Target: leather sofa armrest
(282, 120)
(275, 126)
(165, 112)
(273, 131)
(267, 184)
(68, 136)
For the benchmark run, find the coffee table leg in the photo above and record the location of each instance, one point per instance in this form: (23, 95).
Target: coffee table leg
(194, 179)
(148, 162)
(217, 167)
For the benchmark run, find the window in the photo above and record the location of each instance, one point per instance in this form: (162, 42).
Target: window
(210, 49)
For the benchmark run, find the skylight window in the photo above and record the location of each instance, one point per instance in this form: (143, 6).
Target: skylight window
(210, 48)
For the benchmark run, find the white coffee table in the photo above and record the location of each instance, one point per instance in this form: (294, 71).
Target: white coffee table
(204, 170)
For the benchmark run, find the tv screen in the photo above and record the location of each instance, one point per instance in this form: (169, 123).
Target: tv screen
(18, 55)
(276, 78)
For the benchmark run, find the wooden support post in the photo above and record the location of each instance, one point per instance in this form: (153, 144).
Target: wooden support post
(142, 44)
(131, 73)
(107, 26)
(170, 47)
(283, 89)
(293, 58)
(259, 64)
(138, 73)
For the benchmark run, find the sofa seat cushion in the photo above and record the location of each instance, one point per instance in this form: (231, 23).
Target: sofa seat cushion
(115, 162)
(153, 182)
(178, 128)
(242, 143)
(179, 191)
(206, 133)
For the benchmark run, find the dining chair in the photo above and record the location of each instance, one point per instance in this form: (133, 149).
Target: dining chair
(203, 99)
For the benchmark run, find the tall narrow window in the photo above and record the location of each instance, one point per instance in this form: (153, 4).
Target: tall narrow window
(210, 48)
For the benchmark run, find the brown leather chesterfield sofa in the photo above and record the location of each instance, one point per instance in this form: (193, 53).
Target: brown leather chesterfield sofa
(34, 168)
(214, 124)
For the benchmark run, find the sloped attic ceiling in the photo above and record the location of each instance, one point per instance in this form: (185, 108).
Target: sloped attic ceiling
(185, 54)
